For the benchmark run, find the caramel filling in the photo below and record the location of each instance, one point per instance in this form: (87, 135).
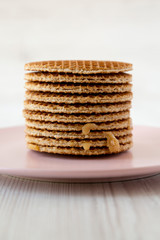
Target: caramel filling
(86, 145)
(87, 127)
(112, 143)
(130, 123)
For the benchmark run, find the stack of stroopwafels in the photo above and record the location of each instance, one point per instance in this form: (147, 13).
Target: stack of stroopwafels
(78, 107)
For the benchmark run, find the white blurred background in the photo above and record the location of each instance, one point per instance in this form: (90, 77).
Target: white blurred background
(123, 30)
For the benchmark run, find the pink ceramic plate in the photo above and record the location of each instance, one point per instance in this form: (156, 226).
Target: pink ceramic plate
(142, 159)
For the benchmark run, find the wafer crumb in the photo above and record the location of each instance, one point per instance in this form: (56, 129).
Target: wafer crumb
(86, 145)
(87, 127)
(112, 142)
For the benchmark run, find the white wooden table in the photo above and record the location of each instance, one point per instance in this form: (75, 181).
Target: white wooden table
(32, 210)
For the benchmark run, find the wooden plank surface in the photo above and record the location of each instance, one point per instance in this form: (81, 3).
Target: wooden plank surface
(44, 210)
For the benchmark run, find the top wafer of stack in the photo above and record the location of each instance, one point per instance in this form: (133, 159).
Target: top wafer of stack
(78, 107)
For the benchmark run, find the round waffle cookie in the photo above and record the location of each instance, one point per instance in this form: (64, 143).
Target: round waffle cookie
(79, 66)
(112, 78)
(77, 108)
(69, 118)
(43, 141)
(56, 126)
(78, 98)
(77, 88)
(78, 151)
(76, 135)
